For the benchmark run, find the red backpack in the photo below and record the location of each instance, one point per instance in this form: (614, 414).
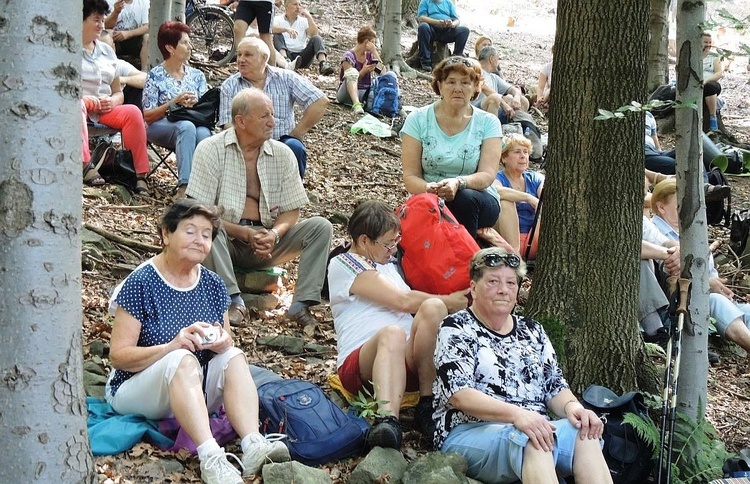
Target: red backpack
(436, 249)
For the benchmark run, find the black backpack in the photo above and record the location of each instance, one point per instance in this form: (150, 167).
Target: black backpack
(719, 211)
(665, 92)
(629, 458)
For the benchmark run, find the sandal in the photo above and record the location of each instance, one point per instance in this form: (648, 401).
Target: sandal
(141, 187)
(91, 177)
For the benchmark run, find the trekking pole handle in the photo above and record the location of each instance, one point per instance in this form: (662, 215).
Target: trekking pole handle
(684, 295)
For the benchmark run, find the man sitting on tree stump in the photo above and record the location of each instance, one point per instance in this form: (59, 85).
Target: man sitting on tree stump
(438, 22)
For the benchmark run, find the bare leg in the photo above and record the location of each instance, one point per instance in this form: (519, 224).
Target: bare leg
(381, 361)
(539, 466)
(268, 39)
(240, 29)
(507, 225)
(240, 397)
(588, 462)
(421, 344)
(738, 332)
(351, 89)
(491, 104)
(187, 402)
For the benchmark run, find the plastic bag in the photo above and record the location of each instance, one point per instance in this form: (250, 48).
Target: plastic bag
(371, 124)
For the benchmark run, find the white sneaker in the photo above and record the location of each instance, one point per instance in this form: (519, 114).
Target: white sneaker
(262, 451)
(217, 470)
(292, 65)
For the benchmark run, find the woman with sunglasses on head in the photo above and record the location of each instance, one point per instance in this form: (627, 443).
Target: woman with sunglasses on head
(381, 346)
(497, 377)
(451, 149)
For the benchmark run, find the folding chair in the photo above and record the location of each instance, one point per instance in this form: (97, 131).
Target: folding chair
(162, 154)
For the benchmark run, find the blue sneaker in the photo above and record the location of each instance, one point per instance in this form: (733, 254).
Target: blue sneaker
(713, 123)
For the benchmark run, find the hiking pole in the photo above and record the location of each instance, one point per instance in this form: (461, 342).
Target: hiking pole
(684, 296)
(673, 302)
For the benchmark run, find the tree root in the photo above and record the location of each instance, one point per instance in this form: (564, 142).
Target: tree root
(119, 239)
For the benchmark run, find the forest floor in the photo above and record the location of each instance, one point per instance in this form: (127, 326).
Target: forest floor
(344, 168)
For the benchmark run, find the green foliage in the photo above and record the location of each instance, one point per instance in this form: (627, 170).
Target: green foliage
(368, 406)
(556, 332)
(636, 107)
(698, 453)
(646, 430)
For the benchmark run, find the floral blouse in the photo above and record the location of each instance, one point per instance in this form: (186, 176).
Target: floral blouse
(161, 87)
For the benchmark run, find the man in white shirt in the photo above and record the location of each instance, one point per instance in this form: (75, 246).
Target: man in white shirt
(295, 36)
(129, 24)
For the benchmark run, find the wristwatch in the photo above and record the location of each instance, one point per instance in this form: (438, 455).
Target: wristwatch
(276, 234)
(461, 182)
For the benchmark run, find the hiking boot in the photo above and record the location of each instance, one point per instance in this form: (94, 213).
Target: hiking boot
(423, 418)
(426, 66)
(262, 451)
(713, 358)
(661, 338)
(385, 433)
(358, 109)
(325, 68)
(216, 469)
(303, 318)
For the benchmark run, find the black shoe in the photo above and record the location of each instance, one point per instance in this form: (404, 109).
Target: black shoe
(713, 358)
(715, 193)
(423, 418)
(385, 433)
(661, 337)
(426, 67)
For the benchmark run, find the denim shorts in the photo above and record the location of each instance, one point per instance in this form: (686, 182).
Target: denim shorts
(494, 451)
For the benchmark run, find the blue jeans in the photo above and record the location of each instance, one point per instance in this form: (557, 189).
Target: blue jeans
(494, 451)
(445, 35)
(180, 136)
(299, 150)
(724, 311)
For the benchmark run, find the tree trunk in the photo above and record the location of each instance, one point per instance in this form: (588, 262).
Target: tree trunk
(588, 265)
(42, 402)
(159, 12)
(658, 58)
(693, 235)
(392, 37)
(409, 11)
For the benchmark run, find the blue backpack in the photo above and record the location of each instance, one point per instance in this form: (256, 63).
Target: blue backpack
(386, 100)
(318, 431)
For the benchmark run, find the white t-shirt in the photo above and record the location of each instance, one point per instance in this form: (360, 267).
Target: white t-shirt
(132, 16)
(650, 130)
(301, 25)
(355, 319)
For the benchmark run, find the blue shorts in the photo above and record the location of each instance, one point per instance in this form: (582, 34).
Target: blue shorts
(494, 451)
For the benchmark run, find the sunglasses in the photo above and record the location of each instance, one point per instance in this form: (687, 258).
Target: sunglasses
(494, 260)
(458, 60)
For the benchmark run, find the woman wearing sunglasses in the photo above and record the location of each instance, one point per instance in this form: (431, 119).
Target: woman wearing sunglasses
(451, 149)
(381, 346)
(497, 377)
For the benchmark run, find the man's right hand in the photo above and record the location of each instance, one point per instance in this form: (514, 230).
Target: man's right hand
(119, 5)
(672, 262)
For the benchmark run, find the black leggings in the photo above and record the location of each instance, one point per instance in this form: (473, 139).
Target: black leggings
(711, 88)
(474, 209)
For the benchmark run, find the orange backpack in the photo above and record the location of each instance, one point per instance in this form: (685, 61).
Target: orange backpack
(436, 249)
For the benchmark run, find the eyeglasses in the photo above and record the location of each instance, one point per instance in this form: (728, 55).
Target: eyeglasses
(494, 260)
(389, 247)
(458, 60)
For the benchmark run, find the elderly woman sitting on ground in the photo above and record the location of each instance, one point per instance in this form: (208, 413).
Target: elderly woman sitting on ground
(450, 148)
(380, 344)
(172, 347)
(497, 377)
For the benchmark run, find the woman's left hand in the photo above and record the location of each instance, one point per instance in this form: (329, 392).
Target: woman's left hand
(447, 189)
(223, 343)
(589, 424)
(106, 104)
(716, 285)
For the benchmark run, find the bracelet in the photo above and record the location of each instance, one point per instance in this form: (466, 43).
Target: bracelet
(566, 405)
(461, 182)
(276, 233)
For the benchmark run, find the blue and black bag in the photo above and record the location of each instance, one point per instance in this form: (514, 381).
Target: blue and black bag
(386, 99)
(317, 430)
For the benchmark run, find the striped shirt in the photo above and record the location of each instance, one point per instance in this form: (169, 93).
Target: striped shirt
(98, 70)
(284, 87)
(219, 177)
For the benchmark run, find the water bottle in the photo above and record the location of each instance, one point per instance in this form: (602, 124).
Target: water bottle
(527, 132)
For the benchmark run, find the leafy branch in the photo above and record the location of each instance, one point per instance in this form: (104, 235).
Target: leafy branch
(368, 406)
(636, 107)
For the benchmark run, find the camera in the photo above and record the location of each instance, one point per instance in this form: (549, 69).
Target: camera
(211, 334)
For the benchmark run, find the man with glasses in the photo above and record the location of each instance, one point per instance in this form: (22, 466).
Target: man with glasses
(438, 22)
